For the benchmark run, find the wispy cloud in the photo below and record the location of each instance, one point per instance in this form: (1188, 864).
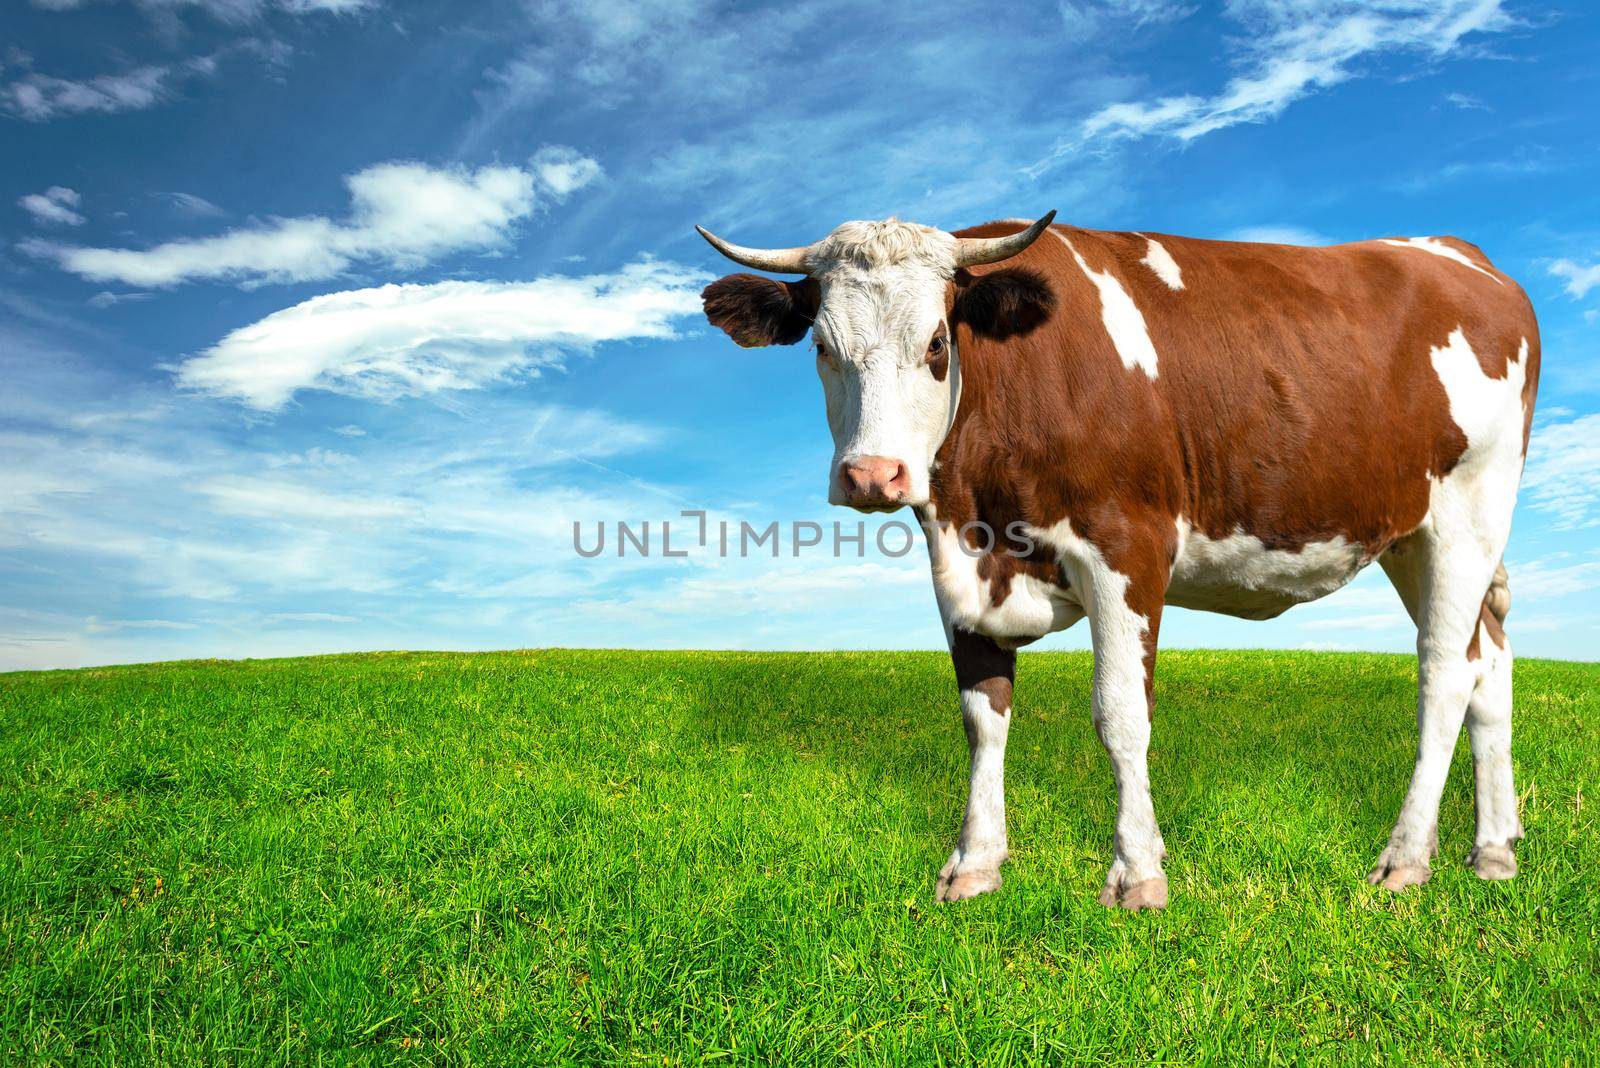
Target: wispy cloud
(96, 625)
(1518, 164)
(309, 617)
(1278, 234)
(830, 110)
(1563, 471)
(229, 11)
(107, 299)
(55, 205)
(1557, 575)
(1580, 278)
(402, 213)
(1294, 48)
(1466, 102)
(411, 340)
(1372, 621)
(750, 588)
(174, 510)
(1088, 18)
(40, 97)
(191, 206)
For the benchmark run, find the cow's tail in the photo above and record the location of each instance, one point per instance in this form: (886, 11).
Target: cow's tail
(1498, 599)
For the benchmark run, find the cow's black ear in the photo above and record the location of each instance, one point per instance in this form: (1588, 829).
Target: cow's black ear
(756, 311)
(1006, 303)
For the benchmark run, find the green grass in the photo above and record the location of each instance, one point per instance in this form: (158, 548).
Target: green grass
(630, 858)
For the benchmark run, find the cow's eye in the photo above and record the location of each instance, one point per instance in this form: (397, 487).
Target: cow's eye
(936, 347)
(824, 355)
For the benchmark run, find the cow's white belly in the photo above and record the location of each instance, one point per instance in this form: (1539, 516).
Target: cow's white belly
(1239, 576)
(1236, 576)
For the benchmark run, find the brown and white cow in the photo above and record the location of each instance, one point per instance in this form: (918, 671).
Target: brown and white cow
(1140, 420)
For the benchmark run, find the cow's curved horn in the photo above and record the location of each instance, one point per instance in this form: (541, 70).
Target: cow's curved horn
(779, 260)
(973, 251)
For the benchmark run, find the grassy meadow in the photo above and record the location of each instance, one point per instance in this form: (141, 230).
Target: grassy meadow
(669, 858)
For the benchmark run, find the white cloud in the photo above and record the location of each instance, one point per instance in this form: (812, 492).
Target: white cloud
(96, 625)
(1086, 18)
(1272, 234)
(1562, 477)
(675, 53)
(752, 587)
(337, 7)
(1580, 279)
(564, 170)
(1520, 163)
(39, 97)
(107, 299)
(316, 456)
(1295, 48)
(191, 206)
(54, 205)
(141, 513)
(262, 498)
(232, 11)
(1372, 621)
(410, 340)
(1466, 102)
(1552, 577)
(402, 213)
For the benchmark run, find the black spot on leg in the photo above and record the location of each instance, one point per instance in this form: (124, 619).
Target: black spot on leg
(983, 667)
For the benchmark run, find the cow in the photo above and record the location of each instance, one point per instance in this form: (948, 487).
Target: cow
(1098, 424)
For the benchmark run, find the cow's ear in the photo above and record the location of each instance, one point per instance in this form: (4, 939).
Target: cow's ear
(756, 311)
(1005, 303)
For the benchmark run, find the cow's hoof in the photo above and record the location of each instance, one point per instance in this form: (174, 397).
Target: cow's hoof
(962, 878)
(1149, 893)
(1396, 872)
(1494, 862)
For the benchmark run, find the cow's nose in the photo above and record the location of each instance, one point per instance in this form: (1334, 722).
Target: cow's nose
(874, 481)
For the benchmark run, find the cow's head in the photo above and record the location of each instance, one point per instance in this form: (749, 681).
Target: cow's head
(877, 298)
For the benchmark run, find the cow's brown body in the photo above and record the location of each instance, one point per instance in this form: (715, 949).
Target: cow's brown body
(1295, 401)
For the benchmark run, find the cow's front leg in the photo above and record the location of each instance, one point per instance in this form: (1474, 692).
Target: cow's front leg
(1124, 619)
(985, 673)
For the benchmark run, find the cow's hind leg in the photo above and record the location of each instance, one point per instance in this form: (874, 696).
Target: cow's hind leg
(1443, 582)
(1489, 726)
(985, 673)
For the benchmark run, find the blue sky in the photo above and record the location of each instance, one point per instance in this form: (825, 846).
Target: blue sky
(321, 321)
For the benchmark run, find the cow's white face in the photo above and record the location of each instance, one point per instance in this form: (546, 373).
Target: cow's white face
(875, 301)
(885, 358)
(889, 377)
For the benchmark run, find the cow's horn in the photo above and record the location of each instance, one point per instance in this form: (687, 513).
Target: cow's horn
(972, 251)
(779, 260)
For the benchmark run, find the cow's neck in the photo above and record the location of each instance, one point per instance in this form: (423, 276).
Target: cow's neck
(976, 475)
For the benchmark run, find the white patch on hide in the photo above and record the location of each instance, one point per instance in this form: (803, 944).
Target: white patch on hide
(1478, 495)
(1030, 610)
(1159, 260)
(1240, 576)
(1438, 248)
(1122, 318)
